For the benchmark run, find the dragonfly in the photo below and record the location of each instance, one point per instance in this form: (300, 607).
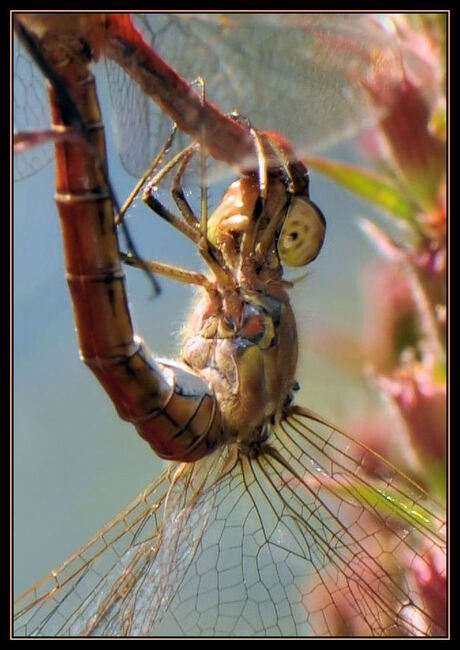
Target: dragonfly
(208, 499)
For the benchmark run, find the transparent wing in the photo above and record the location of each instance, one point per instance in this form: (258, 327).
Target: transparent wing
(73, 598)
(305, 543)
(299, 541)
(122, 581)
(302, 75)
(30, 112)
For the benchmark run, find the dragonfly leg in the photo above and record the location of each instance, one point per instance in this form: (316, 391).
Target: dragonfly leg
(183, 225)
(149, 171)
(168, 270)
(178, 195)
(187, 224)
(261, 155)
(248, 244)
(161, 210)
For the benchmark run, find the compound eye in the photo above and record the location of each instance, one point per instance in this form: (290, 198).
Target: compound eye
(302, 233)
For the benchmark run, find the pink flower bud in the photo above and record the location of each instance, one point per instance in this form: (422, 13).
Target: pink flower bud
(421, 401)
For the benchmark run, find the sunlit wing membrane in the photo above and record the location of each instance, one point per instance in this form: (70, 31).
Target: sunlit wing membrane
(301, 542)
(299, 75)
(30, 111)
(54, 604)
(302, 75)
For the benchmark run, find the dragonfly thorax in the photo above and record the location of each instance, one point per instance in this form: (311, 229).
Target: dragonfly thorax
(245, 347)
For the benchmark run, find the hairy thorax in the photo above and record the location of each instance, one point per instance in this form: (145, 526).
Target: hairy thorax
(245, 346)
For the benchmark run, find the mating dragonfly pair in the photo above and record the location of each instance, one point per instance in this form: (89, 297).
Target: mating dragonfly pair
(267, 523)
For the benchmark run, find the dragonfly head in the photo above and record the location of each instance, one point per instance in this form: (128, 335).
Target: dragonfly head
(256, 237)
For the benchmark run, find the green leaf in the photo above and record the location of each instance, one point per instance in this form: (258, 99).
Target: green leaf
(388, 502)
(375, 188)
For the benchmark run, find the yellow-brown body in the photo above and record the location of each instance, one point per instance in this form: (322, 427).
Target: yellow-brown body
(242, 339)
